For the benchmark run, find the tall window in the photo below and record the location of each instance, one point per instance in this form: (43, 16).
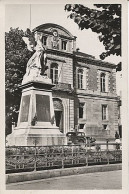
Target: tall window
(81, 110)
(80, 78)
(102, 81)
(104, 112)
(64, 44)
(54, 73)
(44, 40)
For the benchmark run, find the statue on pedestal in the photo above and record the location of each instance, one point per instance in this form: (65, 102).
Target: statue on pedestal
(36, 65)
(36, 120)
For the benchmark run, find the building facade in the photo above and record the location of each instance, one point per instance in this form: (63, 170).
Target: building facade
(84, 91)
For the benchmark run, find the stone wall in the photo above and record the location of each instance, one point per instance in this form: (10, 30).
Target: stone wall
(93, 120)
(90, 94)
(65, 68)
(93, 76)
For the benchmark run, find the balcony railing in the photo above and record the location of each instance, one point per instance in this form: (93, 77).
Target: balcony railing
(29, 158)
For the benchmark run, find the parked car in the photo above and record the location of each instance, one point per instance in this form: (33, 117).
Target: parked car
(79, 138)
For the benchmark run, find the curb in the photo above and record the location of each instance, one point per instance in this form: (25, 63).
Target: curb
(29, 176)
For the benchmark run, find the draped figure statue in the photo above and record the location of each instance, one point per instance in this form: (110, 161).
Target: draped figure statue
(36, 65)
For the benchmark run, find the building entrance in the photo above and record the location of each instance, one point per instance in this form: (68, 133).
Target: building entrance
(58, 109)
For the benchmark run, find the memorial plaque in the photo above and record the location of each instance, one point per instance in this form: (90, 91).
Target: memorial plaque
(43, 108)
(25, 108)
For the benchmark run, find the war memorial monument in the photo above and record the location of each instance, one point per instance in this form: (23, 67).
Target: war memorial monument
(36, 121)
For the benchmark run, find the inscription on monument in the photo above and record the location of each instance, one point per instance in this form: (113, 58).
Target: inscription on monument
(43, 108)
(25, 108)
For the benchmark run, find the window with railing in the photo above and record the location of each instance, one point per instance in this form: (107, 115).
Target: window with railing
(103, 82)
(54, 73)
(80, 78)
(81, 110)
(104, 112)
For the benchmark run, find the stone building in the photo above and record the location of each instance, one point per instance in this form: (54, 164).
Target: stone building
(84, 92)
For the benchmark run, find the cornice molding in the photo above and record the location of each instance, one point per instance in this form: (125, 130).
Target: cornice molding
(104, 70)
(94, 62)
(98, 96)
(56, 59)
(82, 65)
(58, 52)
(77, 59)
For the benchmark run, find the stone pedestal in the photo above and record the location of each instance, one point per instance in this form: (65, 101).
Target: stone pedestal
(36, 122)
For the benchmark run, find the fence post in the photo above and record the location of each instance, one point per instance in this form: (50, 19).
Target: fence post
(23, 160)
(16, 163)
(100, 154)
(62, 156)
(86, 154)
(72, 154)
(35, 159)
(78, 154)
(16, 157)
(107, 150)
(46, 156)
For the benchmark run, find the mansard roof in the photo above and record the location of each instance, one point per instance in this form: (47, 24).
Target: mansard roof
(80, 56)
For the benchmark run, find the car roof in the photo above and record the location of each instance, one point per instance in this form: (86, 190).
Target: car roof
(74, 133)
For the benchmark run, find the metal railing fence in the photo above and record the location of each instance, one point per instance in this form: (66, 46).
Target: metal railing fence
(29, 158)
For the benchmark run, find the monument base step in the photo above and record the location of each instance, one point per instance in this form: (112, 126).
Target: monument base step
(36, 139)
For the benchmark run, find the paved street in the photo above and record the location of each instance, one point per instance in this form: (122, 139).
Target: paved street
(98, 180)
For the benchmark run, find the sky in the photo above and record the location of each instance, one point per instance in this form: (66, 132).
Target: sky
(30, 16)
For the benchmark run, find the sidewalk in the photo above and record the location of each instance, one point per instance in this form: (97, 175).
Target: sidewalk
(98, 180)
(38, 175)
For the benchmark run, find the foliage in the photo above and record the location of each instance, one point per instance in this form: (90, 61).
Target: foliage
(16, 58)
(105, 21)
